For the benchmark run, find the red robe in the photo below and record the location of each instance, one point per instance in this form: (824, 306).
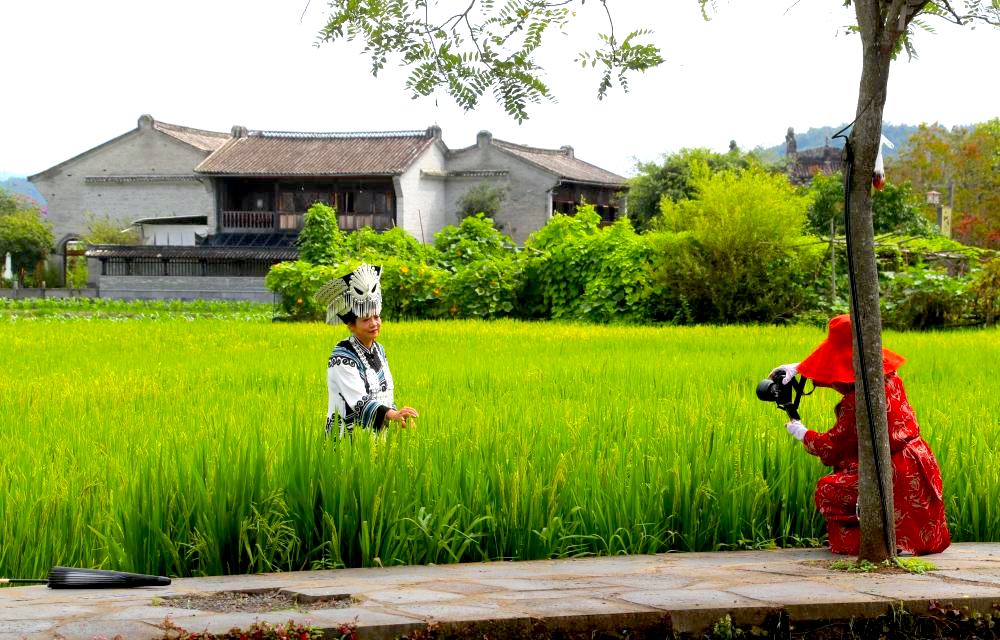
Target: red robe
(921, 527)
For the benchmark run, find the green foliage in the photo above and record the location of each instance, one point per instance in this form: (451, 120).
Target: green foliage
(919, 298)
(985, 292)
(297, 282)
(8, 203)
(26, 237)
(366, 244)
(487, 288)
(483, 198)
(561, 264)
(738, 253)
(672, 179)
(490, 50)
(895, 209)
(320, 241)
(105, 230)
(536, 440)
(413, 288)
(475, 238)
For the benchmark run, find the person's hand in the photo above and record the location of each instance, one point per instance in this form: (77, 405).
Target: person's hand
(789, 369)
(797, 429)
(402, 415)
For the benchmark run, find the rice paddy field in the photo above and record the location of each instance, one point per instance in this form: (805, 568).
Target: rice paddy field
(194, 446)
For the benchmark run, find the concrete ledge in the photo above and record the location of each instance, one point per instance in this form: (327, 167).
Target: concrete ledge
(33, 292)
(185, 288)
(654, 596)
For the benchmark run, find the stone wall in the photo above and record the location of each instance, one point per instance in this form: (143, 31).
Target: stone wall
(528, 203)
(142, 152)
(185, 288)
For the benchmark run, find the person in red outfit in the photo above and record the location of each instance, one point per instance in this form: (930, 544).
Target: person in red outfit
(921, 527)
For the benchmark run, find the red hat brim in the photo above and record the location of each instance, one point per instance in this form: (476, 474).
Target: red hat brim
(833, 360)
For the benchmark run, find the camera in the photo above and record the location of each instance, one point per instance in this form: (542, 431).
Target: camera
(786, 396)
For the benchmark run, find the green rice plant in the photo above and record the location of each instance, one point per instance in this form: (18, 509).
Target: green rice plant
(181, 447)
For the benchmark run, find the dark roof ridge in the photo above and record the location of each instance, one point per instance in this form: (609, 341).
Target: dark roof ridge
(406, 133)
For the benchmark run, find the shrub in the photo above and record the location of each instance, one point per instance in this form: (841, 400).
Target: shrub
(738, 254)
(297, 282)
(560, 265)
(919, 298)
(369, 245)
(483, 198)
(320, 241)
(985, 292)
(412, 289)
(475, 238)
(106, 230)
(485, 289)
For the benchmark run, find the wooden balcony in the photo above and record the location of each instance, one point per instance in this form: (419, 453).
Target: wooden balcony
(278, 221)
(261, 222)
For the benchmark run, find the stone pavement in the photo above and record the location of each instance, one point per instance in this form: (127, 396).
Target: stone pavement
(649, 596)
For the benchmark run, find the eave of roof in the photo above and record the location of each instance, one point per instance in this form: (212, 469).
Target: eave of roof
(191, 252)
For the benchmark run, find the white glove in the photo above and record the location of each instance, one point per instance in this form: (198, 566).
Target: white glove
(797, 429)
(789, 369)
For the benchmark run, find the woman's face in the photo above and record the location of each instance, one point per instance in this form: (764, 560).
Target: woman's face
(366, 329)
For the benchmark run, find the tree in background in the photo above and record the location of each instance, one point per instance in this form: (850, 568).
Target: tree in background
(8, 203)
(483, 198)
(671, 179)
(963, 163)
(27, 238)
(895, 209)
(320, 241)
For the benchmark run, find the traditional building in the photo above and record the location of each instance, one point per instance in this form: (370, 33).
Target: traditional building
(247, 191)
(803, 165)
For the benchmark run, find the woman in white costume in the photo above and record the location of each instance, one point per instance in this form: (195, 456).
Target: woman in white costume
(358, 378)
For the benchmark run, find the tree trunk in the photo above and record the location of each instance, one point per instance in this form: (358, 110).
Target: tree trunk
(878, 541)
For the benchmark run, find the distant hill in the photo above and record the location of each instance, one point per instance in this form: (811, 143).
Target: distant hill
(818, 136)
(21, 186)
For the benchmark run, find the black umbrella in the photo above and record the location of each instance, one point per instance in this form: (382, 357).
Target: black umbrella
(68, 578)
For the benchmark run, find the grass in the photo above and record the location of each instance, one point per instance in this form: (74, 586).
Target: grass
(195, 447)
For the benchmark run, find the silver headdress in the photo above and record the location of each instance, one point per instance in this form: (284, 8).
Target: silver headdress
(358, 293)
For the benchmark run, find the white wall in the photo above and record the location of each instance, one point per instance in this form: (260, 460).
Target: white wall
(420, 200)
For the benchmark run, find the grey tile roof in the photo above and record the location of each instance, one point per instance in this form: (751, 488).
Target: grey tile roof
(268, 153)
(563, 164)
(198, 138)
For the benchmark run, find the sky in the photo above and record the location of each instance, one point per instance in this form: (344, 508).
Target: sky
(80, 73)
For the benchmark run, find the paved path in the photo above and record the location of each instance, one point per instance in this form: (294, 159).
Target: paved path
(651, 596)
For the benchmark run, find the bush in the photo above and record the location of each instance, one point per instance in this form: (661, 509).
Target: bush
(412, 289)
(369, 245)
(105, 230)
(985, 292)
(320, 241)
(475, 238)
(483, 198)
(485, 289)
(738, 254)
(297, 282)
(919, 298)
